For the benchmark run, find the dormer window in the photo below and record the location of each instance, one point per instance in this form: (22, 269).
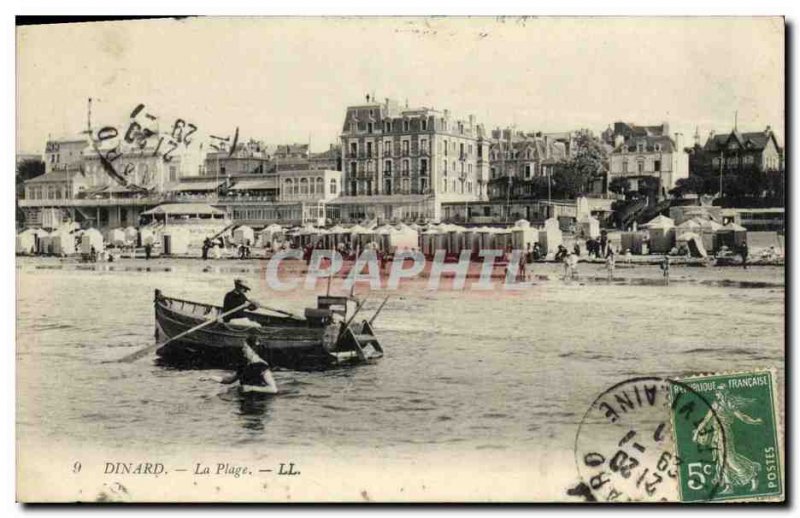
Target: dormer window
(424, 124)
(658, 147)
(640, 147)
(405, 125)
(388, 126)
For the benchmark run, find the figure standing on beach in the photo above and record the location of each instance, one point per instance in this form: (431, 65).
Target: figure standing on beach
(206, 248)
(610, 264)
(148, 249)
(732, 468)
(665, 268)
(744, 251)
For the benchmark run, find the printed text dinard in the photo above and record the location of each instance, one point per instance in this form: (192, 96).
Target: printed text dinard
(199, 468)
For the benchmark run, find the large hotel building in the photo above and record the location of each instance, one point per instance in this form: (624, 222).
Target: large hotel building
(402, 163)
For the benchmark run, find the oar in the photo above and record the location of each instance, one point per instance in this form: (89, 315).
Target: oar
(142, 352)
(371, 320)
(282, 312)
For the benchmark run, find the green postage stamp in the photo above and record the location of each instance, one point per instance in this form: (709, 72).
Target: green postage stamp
(727, 437)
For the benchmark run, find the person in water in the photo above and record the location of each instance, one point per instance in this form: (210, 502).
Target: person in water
(254, 375)
(235, 298)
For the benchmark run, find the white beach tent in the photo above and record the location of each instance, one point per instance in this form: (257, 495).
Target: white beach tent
(130, 235)
(62, 242)
(116, 237)
(26, 241)
(661, 233)
(147, 236)
(243, 234)
(175, 241)
(91, 238)
(589, 227)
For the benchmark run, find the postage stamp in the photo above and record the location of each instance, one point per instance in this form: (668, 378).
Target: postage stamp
(740, 431)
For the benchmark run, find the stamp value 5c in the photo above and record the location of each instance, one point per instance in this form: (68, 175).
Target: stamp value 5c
(732, 450)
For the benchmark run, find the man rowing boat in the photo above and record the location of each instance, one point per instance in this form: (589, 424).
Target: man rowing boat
(255, 375)
(235, 298)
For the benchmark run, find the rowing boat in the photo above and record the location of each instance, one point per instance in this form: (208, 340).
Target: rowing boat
(317, 341)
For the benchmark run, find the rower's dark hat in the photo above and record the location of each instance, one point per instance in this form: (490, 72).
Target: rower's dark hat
(240, 283)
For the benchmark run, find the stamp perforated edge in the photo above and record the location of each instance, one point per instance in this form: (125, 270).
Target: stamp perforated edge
(776, 415)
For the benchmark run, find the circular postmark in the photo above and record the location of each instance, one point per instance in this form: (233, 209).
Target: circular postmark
(625, 447)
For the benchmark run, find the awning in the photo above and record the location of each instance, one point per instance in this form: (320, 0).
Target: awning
(255, 185)
(398, 199)
(193, 186)
(176, 209)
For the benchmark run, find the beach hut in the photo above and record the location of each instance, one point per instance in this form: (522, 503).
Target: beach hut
(550, 236)
(244, 235)
(732, 235)
(502, 238)
(693, 242)
(661, 231)
(62, 243)
(634, 241)
(270, 234)
(26, 241)
(485, 238)
(522, 235)
(116, 237)
(91, 238)
(589, 227)
(146, 236)
(175, 241)
(130, 235)
(708, 232)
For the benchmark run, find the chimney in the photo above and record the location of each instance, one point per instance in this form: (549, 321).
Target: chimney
(665, 128)
(547, 146)
(471, 120)
(678, 142)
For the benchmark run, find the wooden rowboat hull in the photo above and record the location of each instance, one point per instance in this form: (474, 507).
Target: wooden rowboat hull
(284, 342)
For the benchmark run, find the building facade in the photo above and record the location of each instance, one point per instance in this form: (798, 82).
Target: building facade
(517, 158)
(640, 152)
(411, 158)
(737, 151)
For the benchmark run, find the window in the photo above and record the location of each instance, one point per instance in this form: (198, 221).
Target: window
(405, 148)
(333, 186)
(406, 185)
(423, 166)
(387, 148)
(353, 190)
(388, 126)
(444, 168)
(405, 125)
(369, 149)
(303, 186)
(353, 168)
(480, 151)
(387, 167)
(423, 145)
(528, 169)
(444, 184)
(461, 151)
(369, 126)
(320, 186)
(445, 148)
(494, 172)
(289, 187)
(424, 124)
(624, 166)
(353, 148)
(640, 166)
(404, 167)
(657, 166)
(423, 185)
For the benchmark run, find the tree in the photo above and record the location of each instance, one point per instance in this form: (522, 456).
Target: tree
(619, 185)
(576, 174)
(691, 185)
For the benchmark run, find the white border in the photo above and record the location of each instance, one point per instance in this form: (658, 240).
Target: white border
(321, 7)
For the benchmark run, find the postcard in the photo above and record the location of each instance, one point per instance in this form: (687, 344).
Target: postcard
(401, 260)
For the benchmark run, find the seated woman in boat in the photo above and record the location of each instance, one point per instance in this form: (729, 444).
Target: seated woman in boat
(254, 375)
(235, 298)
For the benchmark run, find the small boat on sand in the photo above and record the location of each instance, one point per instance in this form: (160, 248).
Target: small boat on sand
(325, 337)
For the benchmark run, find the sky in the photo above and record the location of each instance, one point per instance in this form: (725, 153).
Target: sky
(284, 80)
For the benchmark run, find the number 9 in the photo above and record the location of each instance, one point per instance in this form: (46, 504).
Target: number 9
(76, 468)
